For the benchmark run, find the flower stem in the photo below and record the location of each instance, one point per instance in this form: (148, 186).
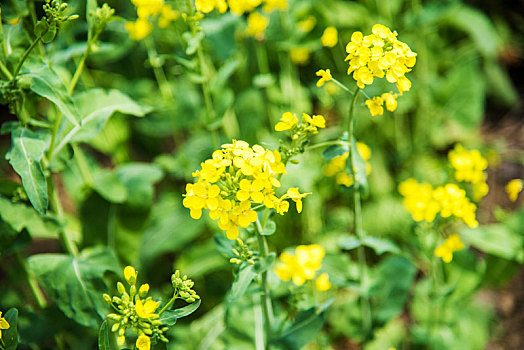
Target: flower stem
(5, 71)
(160, 76)
(357, 226)
(265, 300)
(168, 305)
(26, 53)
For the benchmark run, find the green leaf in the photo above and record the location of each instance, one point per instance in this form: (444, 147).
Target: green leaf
(46, 83)
(169, 317)
(26, 152)
(19, 216)
(243, 279)
(305, 329)
(108, 185)
(106, 339)
(139, 179)
(10, 335)
(335, 151)
(76, 284)
(497, 240)
(96, 106)
(269, 228)
(379, 245)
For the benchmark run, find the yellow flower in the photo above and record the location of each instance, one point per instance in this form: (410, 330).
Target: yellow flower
(138, 30)
(302, 265)
(130, 275)
(513, 188)
(325, 76)
(143, 342)
(287, 121)
(318, 121)
(271, 5)
(329, 37)
(419, 200)
(239, 7)
(322, 282)
(144, 289)
(167, 15)
(3, 324)
(375, 106)
(206, 6)
(256, 25)
(146, 8)
(299, 55)
(147, 309)
(468, 165)
(308, 24)
(452, 244)
(391, 101)
(336, 167)
(296, 196)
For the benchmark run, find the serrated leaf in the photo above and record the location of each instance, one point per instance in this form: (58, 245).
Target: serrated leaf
(10, 335)
(106, 338)
(76, 284)
(97, 105)
(26, 152)
(46, 83)
(169, 317)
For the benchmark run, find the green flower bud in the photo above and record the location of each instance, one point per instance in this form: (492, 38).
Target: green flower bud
(115, 327)
(120, 287)
(107, 298)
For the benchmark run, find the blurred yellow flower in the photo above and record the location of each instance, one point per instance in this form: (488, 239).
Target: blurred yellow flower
(307, 24)
(299, 55)
(287, 121)
(239, 7)
(271, 5)
(256, 25)
(143, 342)
(322, 282)
(329, 37)
(302, 265)
(167, 15)
(3, 324)
(138, 30)
(325, 76)
(317, 121)
(513, 188)
(452, 244)
(206, 6)
(375, 106)
(337, 166)
(390, 99)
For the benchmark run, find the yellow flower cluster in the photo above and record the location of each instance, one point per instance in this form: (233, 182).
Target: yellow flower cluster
(330, 37)
(513, 188)
(256, 25)
(235, 177)
(375, 104)
(145, 9)
(452, 244)
(377, 55)
(337, 166)
(424, 203)
(289, 121)
(239, 7)
(303, 266)
(469, 167)
(3, 324)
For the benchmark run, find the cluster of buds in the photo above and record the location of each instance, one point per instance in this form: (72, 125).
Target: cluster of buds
(47, 27)
(300, 133)
(136, 311)
(102, 16)
(182, 286)
(243, 253)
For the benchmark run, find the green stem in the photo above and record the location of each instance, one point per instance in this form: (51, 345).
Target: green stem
(2, 38)
(327, 144)
(31, 280)
(26, 53)
(82, 165)
(357, 225)
(265, 300)
(168, 305)
(5, 71)
(344, 87)
(79, 69)
(160, 76)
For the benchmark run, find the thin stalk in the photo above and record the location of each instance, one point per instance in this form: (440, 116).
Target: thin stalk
(26, 53)
(31, 281)
(341, 86)
(2, 38)
(5, 71)
(259, 325)
(357, 226)
(79, 69)
(168, 305)
(327, 144)
(265, 301)
(159, 73)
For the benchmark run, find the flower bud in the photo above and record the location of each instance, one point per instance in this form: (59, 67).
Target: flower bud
(115, 327)
(130, 274)
(107, 298)
(120, 287)
(144, 289)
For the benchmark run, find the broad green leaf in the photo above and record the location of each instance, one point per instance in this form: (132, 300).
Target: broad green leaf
(496, 239)
(224, 245)
(76, 284)
(19, 216)
(139, 179)
(169, 317)
(499, 84)
(379, 245)
(108, 185)
(46, 83)
(96, 106)
(269, 228)
(106, 338)
(335, 151)
(26, 152)
(245, 275)
(305, 328)
(10, 335)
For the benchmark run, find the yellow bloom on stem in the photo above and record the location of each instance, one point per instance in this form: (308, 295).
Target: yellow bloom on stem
(3, 324)
(239, 7)
(271, 5)
(419, 200)
(329, 37)
(143, 342)
(307, 25)
(167, 15)
(146, 8)
(138, 30)
(325, 76)
(206, 6)
(322, 282)
(296, 196)
(287, 121)
(469, 165)
(375, 106)
(513, 188)
(452, 244)
(299, 55)
(302, 265)
(147, 309)
(256, 25)
(318, 121)
(391, 101)
(130, 275)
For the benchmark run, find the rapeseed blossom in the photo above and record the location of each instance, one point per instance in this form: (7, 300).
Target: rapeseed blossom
(233, 179)
(147, 10)
(302, 265)
(143, 342)
(3, 324)
(299, 55)
(329, 37)
(424, 203)
(513, 188)
(452, 244)
(206, 6)
(325, 76)
(307, 24)
(469, 167)
(337, 165)
(256, 25)
(377, 55)
(271, 5)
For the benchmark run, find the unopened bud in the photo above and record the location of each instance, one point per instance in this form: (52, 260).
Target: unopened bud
(130, 274)
(115, 327)
(144, 289)
(120, 287)
(72, 17)
(107, 298)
